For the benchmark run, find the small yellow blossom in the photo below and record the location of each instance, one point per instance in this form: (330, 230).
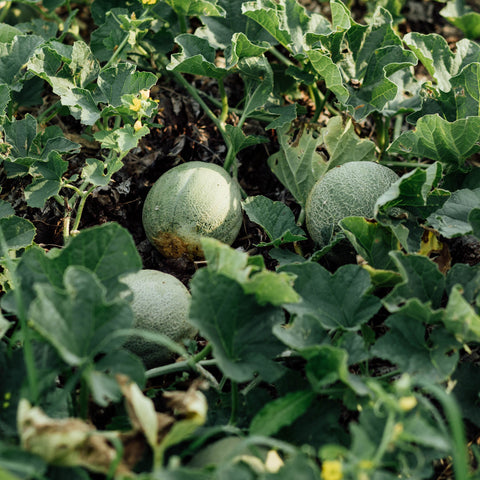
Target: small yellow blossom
(332, 470)
(137, 125)
(407, 403)
(397, 431)
(366, 464)
(273, 462)
(149, 2)
(136, 105)
(145, 94)
(8, 395)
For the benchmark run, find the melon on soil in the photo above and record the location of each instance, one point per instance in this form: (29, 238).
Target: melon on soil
(351, 189)
(189, 201)
(160, 304)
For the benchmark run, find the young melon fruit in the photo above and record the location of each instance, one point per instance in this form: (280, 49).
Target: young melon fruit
(160, 304)
(189, 201)
(351, 189)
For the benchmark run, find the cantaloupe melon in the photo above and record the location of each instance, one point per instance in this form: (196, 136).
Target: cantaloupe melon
(189, 201)
(160, 304)
(351, 189)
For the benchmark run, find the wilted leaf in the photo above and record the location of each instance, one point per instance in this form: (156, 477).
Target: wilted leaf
(66, 442)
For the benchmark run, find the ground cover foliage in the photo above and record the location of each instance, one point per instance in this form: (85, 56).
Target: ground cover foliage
(358, 360)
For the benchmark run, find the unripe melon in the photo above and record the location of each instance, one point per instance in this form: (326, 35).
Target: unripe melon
(189, 201)
(351, 189)
(160, 304)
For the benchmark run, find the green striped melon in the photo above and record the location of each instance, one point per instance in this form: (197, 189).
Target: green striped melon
(189, 201)
(160, 304)
(351, 189)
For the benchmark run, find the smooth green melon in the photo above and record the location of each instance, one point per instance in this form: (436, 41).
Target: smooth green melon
(160, 304)
(189, 201)
(351, 189)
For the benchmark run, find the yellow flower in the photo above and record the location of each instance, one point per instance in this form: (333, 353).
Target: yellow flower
(332, 470)
(136, 105)
(145, 94)
(137, 125)
(149, 2)
(407, 403)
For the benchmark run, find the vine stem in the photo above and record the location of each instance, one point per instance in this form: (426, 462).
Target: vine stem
(223, 94)
(385, 440)
(234, 404)
(5, 10)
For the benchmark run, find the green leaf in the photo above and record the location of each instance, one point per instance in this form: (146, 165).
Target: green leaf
(257, 76)
(467, 391)
(219, 31)
(285, 115)
(193, 8)
(122, 79)
(196, 57)
(239, 329)
(8, 33)
(452, 219)
(287, 21)
(69, 71)
(79, 321)
(344, 303)
(344, 145)
(460, 317)
(121, 140)
(327, 364)
(14, 56)
(281, 412)
(6, 209)
(451, 143)
(107, 250)
(421, 279)
(15, 233)
(4, 100)
(435, 54)
(242, 47)
(329, 71)
(275, 218)
(474, 221)
(250, 272)
(410, 200)
(302, 332)
(20, 135)
(47, 180)
(239, 140)
(18, 463)
(371, 240)
(405, 346)
(463, 17)
(468, 277)
(297, 164)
